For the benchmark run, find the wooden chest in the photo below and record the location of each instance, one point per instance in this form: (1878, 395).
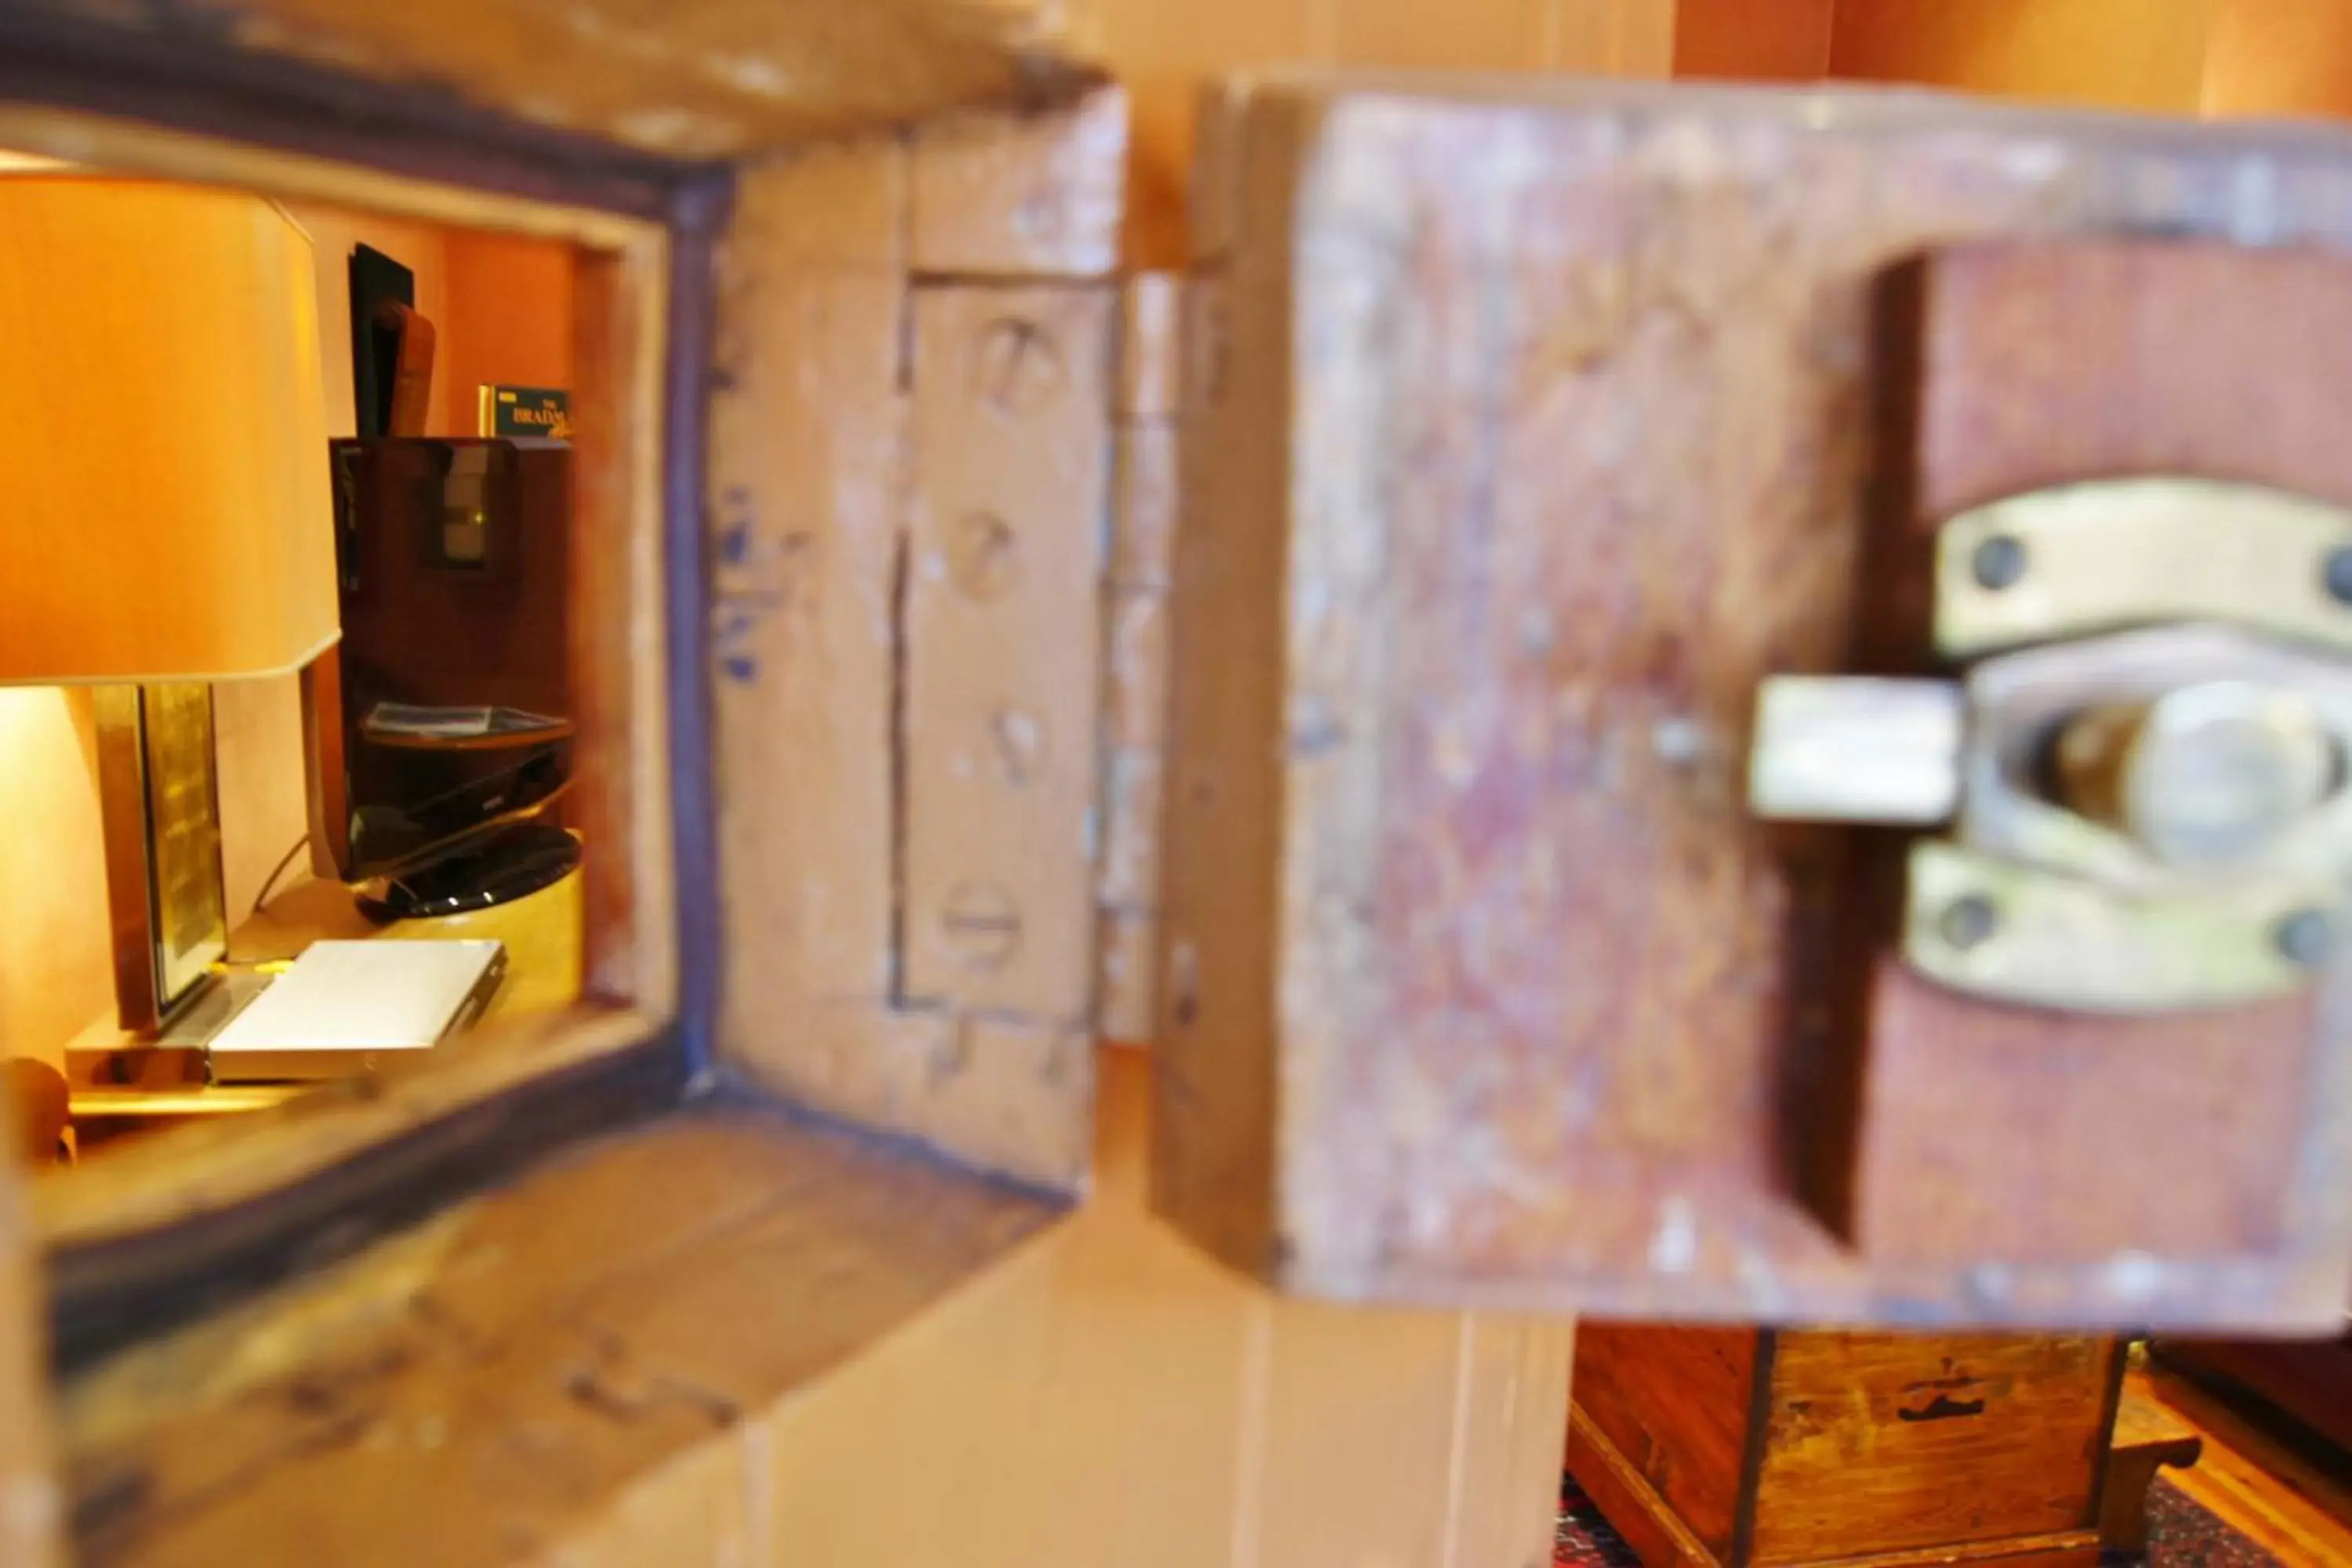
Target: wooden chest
(1738, 1447)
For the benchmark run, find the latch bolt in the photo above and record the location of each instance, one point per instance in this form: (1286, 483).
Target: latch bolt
(2138, 763)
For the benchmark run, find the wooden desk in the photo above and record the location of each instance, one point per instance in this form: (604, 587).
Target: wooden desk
(542, 934)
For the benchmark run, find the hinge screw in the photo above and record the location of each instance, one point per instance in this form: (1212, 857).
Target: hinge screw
(2304, 936)
(2337, 573)
(1998, 561)
(1968, 922)
(982, 556)
(982, 925)
(1016, 365)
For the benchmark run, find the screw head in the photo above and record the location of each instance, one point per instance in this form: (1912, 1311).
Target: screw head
(1183, 984)
(2304, 938)
(2336, 572)
(1968, 922)
(1016, 365)
(982, 556)
(1019, 741)
(982, 925)
(1998, 561)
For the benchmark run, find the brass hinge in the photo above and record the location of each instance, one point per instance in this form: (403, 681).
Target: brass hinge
(1137, 565)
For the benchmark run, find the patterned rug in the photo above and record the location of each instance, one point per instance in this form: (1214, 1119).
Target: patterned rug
(1584, 1539)
(2181, 1534)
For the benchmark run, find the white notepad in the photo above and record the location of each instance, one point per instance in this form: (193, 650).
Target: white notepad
(345, 1005)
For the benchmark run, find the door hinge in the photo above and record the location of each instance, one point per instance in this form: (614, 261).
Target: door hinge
(1137, 569)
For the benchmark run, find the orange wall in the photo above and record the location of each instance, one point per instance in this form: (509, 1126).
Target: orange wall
(502, 308)
(56, 967)
(2123, 53)
(1164, 49)
(2238, 57)
(2176, 57)
(2288, 58)
(1753, 40)
(506, 321)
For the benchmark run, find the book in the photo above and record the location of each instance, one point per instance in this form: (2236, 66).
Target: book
(544, 412)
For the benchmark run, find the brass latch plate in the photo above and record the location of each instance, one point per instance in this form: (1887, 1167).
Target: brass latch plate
(2140, 760)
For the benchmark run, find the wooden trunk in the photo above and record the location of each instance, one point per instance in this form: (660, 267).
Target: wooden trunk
(1744, 1449)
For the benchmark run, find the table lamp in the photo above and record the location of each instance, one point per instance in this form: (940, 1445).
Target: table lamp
(168, 523)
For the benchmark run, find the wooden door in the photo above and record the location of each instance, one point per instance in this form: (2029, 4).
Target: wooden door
(1536, 935)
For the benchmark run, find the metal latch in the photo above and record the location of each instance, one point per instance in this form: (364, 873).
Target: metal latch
(2138, 763)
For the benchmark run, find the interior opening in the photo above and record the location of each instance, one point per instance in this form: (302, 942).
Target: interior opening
(290, 712)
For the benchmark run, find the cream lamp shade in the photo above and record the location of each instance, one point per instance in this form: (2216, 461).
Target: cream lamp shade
(163, 439)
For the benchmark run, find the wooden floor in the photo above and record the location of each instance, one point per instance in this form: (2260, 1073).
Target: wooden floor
(2278, 1498)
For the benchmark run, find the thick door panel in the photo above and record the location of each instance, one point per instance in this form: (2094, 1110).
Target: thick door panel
(1532, 442)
